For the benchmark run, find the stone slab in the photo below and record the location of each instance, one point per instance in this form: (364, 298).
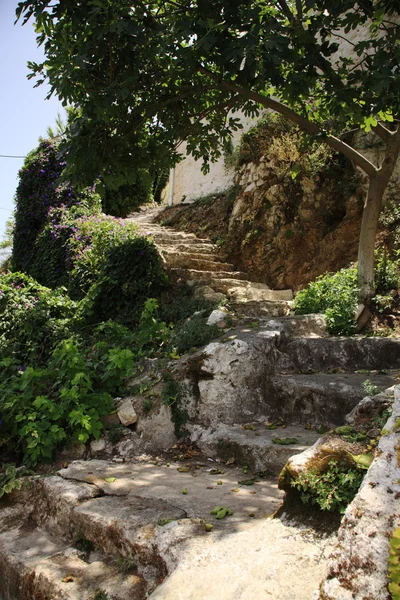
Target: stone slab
(253, 448)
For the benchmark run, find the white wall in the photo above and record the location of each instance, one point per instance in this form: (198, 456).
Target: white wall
(188, 182)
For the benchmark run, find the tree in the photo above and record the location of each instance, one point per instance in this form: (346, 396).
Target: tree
(153, 73)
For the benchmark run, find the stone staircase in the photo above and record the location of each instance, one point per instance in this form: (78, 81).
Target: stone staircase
(197, 261)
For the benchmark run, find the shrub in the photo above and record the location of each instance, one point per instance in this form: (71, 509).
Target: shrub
(180, 303)
(193, 333)
(131, 273)
(335, 295)
(42, 407)
(54, 262)
(39, 189)
(33, 318)
(332, 490)
(123, 200)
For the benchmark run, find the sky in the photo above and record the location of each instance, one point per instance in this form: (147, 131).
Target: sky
(25, 114)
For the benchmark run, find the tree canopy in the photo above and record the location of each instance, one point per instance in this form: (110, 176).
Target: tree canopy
(149, 74)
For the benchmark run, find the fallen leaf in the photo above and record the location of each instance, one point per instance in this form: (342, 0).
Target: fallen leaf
(247, 481)
(183, 469)
(110, 479)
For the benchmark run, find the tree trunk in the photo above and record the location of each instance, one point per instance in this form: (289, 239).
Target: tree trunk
(369, 225)
(377, 185)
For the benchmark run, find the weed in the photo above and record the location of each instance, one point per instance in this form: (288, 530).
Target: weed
(10, 478)
(115, 434)
(147, 405)
(192, 334)
(369, 388)
(173, 396)
(125, 563)
(101, 595)
(332, 490)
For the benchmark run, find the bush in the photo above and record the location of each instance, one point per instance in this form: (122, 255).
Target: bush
(126, 198)
(180, 303)
(42, 407)
(65, 396)
(335, 295)
(131, 273)
(39, 190)
(33, 318)
(193, 333)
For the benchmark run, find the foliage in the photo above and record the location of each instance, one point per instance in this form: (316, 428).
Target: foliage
(369, 388)
(332, 490)
(91, 61)
(9, 479)
(394, 565)
(335, 294)
(41, 407)
(57, 380)
(39, 189)
(33, 319)
(173, 396)
(131, 273)
(125, 563)
(193, 333)
(180, 303)
(123, 200)
(387, 271)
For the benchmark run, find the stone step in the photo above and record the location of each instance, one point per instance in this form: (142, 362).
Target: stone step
(133, 513)
(320, 398)
(178, 236)
(200, 250)
(207, 277)
(253, 447)
(247, 291)
(189, 261)
(261, 308)
(34, 564)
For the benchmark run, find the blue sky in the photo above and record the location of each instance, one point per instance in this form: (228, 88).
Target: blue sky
(25, 114)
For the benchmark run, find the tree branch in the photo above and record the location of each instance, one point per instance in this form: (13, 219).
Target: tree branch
(286, 10)
(302, 122)
(299, 9)
(382, 132)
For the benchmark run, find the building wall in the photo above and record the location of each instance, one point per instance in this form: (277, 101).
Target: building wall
(187, 182)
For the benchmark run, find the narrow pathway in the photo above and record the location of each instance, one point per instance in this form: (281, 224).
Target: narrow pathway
(197, 261)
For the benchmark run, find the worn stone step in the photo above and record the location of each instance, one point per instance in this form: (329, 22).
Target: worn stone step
(189, 261)
(137, 511)
(247, 291)
(34, 564)
(321, 398)
(178, 236)
(200, 249)
(330, 353)
(253, 447)
(207, 277)
(261, 308)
